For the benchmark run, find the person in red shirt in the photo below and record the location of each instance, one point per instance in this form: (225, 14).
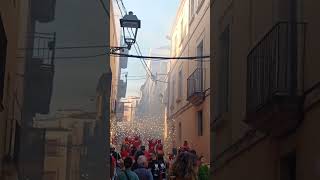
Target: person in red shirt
(136, 144)
(159, 147)
(146, 153)
(154, 143)
(151, 145)
(151, 149)
(124, 152)
(185, 146)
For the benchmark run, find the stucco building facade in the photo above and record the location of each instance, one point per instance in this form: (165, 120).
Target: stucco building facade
(265, 109)
(188, 109)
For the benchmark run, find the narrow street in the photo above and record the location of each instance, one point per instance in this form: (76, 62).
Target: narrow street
(159, 90)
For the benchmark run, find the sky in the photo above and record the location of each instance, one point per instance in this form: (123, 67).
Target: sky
(156, 18)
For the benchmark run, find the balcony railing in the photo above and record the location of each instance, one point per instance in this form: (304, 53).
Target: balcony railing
(41, 78)
(274, 72)
(43, 10)
(40, 73)
(195, 87)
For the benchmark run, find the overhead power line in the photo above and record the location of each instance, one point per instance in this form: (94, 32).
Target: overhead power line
(152, 58)
(124, 8)
(136, 45)
(119, 7)
(136, 79)
(164, 58)
(67, 47)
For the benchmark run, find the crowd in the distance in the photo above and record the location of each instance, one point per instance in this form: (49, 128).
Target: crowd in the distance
(135, 162)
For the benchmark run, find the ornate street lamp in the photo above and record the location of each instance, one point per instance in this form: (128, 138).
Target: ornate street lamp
(130, 25)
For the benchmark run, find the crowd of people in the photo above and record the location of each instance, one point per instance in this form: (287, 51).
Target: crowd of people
(136, 162)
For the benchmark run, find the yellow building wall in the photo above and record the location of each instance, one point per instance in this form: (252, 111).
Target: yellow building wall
(57, 164)
(197, 29)
(14, 18)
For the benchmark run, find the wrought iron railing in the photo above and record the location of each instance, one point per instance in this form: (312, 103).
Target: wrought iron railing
(269, 64)
(39, 72)
(195, 83)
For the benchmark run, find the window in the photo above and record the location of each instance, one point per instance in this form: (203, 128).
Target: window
(288, 167)
(180, 88)
(223, 91)
(200, 123)
(52, 147)
(173, 92)
(50, 175)
(200, 65)
(200, 53)
(3, 54)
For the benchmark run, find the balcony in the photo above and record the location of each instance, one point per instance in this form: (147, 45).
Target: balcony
(274, 80)
(195, 87)
(41, 81)
(43, 10)
(40, 73)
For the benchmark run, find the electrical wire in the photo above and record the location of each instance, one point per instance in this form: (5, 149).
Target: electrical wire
(68, 47)
(119, 7)
(152, 58)
(136, 45)
(104, 46)
(124, 8)
(142, 58)
(137, 79)
(138, 51)
(144, 64)
(141, 76)
(163, 58)
(76, 57)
